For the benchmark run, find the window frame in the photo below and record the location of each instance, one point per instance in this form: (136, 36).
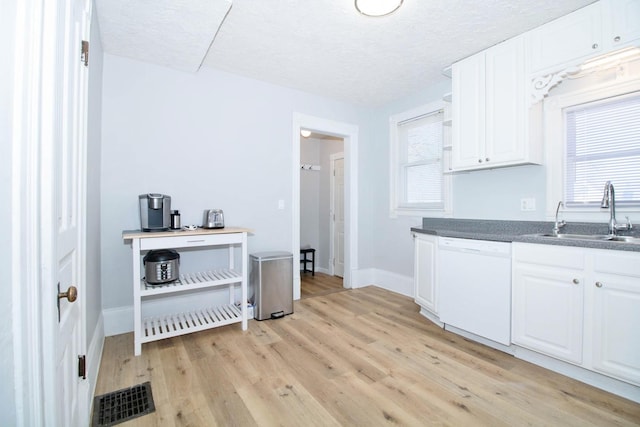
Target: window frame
(556, 148)
(397, 188)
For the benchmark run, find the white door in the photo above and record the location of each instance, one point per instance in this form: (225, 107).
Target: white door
(338, 216)
(63, 186)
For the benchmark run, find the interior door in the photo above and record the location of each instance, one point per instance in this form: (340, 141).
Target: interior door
(338, 216)
(64, 104)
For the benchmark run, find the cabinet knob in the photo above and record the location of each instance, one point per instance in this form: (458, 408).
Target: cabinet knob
(598, 284)
(576, 281)
(487, 159)
(594, 46)
(616, 39)
(479, 160)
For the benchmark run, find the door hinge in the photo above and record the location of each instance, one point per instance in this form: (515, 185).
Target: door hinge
(84, 53)
(82, 366)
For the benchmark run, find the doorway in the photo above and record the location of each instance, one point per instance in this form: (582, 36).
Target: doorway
(349, 135)
(321, 210)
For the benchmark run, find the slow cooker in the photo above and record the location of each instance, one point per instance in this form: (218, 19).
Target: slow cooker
(161, 266)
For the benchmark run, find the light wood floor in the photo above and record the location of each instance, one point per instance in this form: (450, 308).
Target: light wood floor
(318, 285)
(360, 357)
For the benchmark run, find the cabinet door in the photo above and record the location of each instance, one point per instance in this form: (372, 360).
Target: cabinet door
(468, 115)
(616, 338)
(506, 124)
(425, 271)
(625, 22)
(568, 39)
(548, 310)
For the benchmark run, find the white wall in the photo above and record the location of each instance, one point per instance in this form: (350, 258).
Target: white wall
(94, 328)
(7, 40)
(492, 194)
(393, 244)
(210, 140)
(496, 193)
(309, 194)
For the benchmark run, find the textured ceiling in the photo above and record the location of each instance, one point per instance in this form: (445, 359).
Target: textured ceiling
(325, 46)
(174, 33)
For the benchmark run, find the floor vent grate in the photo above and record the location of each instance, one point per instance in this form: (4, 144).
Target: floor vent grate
(122, 405)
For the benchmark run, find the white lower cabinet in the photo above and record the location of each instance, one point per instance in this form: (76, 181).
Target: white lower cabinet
(616, 315)
(425, 263)
(548, 310)
(579, 305)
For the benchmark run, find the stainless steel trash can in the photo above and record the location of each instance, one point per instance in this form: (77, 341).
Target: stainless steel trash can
(272, 281)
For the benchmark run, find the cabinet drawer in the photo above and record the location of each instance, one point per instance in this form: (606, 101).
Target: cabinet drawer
(619, 263)
(189, 241)
(558, 256)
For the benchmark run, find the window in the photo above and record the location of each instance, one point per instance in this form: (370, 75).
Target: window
(418, 186)
(603, 144)
(592, 135)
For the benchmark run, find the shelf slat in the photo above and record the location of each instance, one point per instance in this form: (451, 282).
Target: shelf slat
(191, 281)
(172, 325)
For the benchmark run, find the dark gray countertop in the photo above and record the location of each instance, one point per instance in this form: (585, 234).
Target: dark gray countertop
(522, 231)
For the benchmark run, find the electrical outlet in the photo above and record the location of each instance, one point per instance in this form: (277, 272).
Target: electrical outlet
(528, 204)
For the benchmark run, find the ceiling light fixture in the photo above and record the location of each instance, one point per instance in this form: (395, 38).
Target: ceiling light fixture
(305, 133)
(377, 7)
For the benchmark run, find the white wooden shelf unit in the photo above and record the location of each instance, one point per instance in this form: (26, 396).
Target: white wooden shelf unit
(174, 324)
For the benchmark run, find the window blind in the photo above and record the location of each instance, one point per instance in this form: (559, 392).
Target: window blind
(421, 162)
(603, 144)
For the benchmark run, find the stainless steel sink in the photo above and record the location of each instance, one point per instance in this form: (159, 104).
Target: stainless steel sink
(626, 239)
(596, 237)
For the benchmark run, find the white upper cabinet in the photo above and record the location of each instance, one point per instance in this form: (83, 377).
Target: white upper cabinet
(568, 39)
(468, 112)
(489, 109)
(596, 29)
(623, 27)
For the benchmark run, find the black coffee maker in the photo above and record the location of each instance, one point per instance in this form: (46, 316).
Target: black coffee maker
(155, 212)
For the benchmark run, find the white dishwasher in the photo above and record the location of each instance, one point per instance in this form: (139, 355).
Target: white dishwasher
(475, 287)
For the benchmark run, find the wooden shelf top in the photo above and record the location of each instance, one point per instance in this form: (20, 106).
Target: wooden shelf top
(139, 234)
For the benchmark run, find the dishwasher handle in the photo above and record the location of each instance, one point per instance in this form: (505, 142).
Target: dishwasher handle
(480, 247)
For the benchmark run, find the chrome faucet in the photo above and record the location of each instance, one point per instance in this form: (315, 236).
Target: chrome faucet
(609, 201)
(558, 224)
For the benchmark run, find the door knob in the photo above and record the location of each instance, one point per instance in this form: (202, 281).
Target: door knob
(71, 295)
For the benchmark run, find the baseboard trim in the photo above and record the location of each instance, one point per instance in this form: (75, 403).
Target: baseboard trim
(603, 382)
(361, 278)
(383, 279)
(117, 320)
(94, 353)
